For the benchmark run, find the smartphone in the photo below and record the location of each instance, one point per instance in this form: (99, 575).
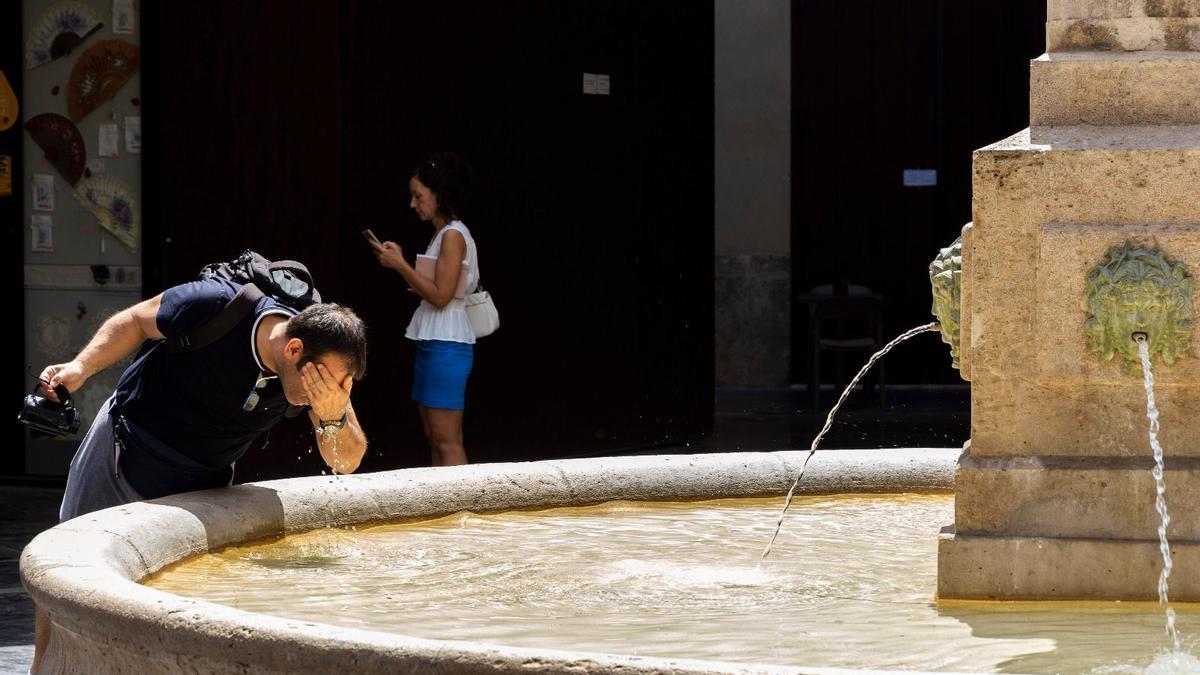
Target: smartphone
(370, 237)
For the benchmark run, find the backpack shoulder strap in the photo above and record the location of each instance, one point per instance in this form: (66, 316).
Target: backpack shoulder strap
(215, 328)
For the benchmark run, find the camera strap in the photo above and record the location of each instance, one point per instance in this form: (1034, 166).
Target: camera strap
(61, 391)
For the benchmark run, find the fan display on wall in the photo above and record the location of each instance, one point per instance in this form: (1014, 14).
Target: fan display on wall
(111, 201)
(101, 70)
(8, 104)
(59, 29)
(61, 143)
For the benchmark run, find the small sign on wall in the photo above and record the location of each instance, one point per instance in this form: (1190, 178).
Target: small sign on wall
(133, 135)
(108, 140)
(122, 14)
(43, 233)
(920, 177)
(597, 84)
(43, 192)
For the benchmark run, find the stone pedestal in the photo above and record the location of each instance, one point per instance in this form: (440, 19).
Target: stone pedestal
(1054, 497)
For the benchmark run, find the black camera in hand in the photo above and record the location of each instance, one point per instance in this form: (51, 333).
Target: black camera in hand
(56, 418)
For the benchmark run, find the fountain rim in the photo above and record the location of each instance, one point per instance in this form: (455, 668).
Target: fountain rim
(84, 573)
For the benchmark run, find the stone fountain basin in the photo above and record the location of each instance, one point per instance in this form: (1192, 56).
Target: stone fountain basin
(84, 573)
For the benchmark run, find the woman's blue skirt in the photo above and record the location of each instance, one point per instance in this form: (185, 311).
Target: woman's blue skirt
(440, 373)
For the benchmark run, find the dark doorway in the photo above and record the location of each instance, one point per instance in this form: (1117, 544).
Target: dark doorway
(880, 87)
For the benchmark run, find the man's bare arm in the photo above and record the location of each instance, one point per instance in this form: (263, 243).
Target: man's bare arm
(124, 332)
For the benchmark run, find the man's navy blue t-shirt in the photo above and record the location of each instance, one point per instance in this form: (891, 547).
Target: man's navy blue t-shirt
(181, 417)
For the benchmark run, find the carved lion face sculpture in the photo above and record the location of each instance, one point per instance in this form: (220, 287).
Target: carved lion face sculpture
(945, 274)
(1138, 290)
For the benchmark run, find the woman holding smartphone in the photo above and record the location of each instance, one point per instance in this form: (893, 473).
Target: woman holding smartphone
(439, 327)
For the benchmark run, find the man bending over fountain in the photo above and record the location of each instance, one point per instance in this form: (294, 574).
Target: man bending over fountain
(178, 420)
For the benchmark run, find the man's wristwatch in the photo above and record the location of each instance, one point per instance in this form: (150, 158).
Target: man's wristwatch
(332, 425)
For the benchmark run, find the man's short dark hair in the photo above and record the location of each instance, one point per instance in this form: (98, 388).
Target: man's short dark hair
(327, 328)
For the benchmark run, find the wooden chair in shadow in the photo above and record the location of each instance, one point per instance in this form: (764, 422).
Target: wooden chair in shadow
(843, 320)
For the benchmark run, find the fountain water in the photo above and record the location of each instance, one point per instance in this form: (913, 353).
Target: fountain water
(1160, 489)
(787, 501)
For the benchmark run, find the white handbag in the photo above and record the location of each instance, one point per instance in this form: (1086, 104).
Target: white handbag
(481, 311)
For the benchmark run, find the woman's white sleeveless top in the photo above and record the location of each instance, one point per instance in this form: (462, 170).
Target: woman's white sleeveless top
(449, 323)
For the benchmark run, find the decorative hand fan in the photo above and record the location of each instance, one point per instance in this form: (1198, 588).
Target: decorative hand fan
(100, 71)
(111, 201)
(59, 30)
(8, 104)
(61, 143)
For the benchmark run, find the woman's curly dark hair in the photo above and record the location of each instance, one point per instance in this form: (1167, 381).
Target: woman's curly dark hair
(447, 176)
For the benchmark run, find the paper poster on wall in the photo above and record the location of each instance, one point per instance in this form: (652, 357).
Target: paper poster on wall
(43, 233)
(5, 175)
(109, 137)
(123, 20)
(43, 192)
(133, 135)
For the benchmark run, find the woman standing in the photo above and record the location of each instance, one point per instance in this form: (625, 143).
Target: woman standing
(440, 328)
